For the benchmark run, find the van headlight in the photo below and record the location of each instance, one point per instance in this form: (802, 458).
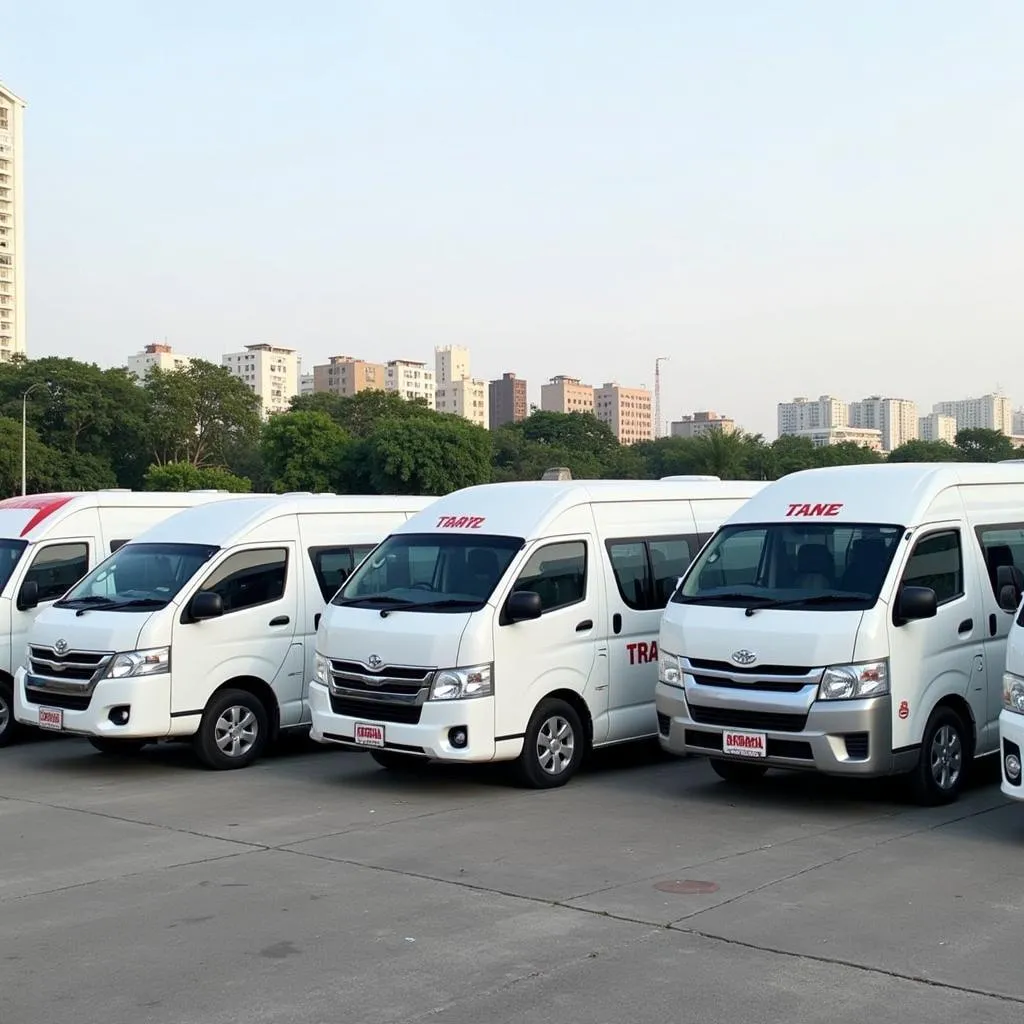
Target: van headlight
(1013, 693)
(321, 669)
(669, 671)
(461, 683)
(154, 662)
(850, 682)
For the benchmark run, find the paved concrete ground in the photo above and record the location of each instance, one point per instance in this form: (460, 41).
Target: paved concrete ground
(315, 887)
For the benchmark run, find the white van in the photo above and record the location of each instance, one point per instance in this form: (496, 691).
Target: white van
(50, 541)
(202, 627)
(1011, 718)
(848, 620)
(512, 621)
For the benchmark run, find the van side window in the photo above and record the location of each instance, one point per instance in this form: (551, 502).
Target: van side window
(1001, 545)
(646, 570)
(558, 572)
(250, 578)
(332, 566)
(937, 562)
(57, 567)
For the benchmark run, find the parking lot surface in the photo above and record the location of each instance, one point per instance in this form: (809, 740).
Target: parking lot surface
(316, 887)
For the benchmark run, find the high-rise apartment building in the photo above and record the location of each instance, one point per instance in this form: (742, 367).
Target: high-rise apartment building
(626, 410)
(990, 412)
(456, 392)
(343, 375)
(701, 423)
(306, 384)
(269, 370)
(896, 418)
(566, 394)
(157, 355)
(1018, 422)
(451, 364)
(821, 437)
(936, 427)
(807, 414)
(13, 338)
(507, 400)
(411, 380)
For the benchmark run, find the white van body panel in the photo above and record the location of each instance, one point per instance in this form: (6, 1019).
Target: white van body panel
(596, 648)
(957, 654)
(267, 644)
(1011, 722)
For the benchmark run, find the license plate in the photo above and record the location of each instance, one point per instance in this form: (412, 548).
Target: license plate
(368, 735)
(745, 744)
(51, 718)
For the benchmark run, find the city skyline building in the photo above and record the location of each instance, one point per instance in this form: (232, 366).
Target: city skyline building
(700, 423)
(346, 376)
(13, 311)
(989, 412)
(566, 394)
(801, 414)
(412, 380)
(628, 411)
(937, 427)
(157, 355)
(271, 371)
(507, 400)
(896, 418)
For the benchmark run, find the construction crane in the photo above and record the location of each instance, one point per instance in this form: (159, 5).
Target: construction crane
(657, 394)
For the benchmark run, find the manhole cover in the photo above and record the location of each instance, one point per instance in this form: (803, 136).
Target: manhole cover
(686, 886)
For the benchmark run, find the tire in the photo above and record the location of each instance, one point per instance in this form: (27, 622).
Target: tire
(737, 771)
(555, 731)
(233, 732)
(396, 762)
(942, 766)
(8, 726)
(116, 748)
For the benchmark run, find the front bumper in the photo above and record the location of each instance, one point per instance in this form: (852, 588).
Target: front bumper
(852, 737)
(88, 713)
(427, 737)
(1011, 741)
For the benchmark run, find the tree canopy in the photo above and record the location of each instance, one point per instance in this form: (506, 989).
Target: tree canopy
(201, 428)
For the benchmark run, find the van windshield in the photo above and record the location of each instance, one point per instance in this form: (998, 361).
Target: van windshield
(10, 554)
(138, 577)
(821, 566)
(430, 572)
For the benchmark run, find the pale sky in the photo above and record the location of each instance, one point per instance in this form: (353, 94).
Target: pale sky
(783, 197)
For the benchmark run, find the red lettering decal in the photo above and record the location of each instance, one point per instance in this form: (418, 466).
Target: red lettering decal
(833, 509)
(653, 650)
(791, 511)
(641, 651)
(475, 522)
(817, 510)
(460, 522)
(632, 653)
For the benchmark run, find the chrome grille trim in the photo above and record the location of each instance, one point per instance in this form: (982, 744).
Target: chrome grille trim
(408, 685)
(71, 672)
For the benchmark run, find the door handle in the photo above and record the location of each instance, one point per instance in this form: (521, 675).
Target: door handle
(585, 625)
(616, 623)
(280, 620)
(966, 626)
(316, 622)
(992, 627)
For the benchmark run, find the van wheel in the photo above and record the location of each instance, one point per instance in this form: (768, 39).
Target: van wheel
(737, 771)
(115, 747)
(553, 746)
(396, 762)
(942, 767)
(8, 726)
(233, 731)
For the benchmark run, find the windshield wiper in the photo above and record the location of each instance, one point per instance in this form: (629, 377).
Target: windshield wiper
(832, 597)
(139, 602)
(71, 602)
(376, 600)
(450, 602)
(722, 596)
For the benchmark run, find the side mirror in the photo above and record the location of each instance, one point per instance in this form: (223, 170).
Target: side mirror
(28, 596)
(523, 605)
(206, 605)
(915, 603)
(1010, 584)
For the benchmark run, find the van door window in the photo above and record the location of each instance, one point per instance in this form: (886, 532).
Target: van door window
(1001, 545)
(57, 568)
(250, 578)
(630, 567)
(646, 570)
(670, 557)
(558, 572)
(937, 562)
(332, 566)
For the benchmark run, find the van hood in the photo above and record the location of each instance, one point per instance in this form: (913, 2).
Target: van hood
(793, 637)
(93, 631)
(415, 639)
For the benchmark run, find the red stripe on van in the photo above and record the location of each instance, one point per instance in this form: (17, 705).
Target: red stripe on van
(44, 505)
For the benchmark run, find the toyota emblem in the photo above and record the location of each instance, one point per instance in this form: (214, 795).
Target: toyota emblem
(60, 647)
(374, 661)
(744, 657)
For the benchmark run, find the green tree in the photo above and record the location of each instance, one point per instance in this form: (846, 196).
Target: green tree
(846, 454)
(580, 441)
(184, 476)
(429, 455)
(359, 414)
(305, 451)
(925, 451)
(198, 414)
(44, 466)
(978, 444)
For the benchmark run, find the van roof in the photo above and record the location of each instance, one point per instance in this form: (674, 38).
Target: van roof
(232, 519)
(32, 516)
(894, 493)
(524, 508)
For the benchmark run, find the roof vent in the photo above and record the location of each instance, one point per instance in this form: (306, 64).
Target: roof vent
(557, 473)
(693, 477)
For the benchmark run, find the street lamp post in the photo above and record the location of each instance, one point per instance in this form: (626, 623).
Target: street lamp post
(24, 434)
